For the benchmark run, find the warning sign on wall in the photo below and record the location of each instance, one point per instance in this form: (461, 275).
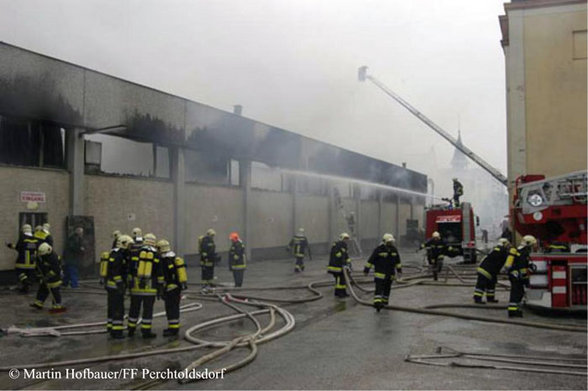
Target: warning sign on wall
(36, 196)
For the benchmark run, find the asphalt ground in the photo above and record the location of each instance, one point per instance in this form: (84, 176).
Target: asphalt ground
(335, 344)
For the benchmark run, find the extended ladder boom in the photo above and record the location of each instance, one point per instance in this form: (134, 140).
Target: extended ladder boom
(465, 150)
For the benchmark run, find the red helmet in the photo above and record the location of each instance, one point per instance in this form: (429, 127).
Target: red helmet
(234, 236)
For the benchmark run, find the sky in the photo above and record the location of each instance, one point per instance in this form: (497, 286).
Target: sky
(293, 64)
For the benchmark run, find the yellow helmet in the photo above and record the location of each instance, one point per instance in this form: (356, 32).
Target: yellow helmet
(149, 239)
(163, 246)
(210, 232)
(388, 238)
(124, 241)
(44, 249)
(137, 232)
(344, 236)
(27, 229)
(436, 235)
(529, 240)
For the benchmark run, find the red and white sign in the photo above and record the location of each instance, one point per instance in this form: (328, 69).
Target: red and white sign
(448, 219)
(35, 196)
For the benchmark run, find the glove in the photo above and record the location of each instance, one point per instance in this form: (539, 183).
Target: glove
(532, 267)
(366, 271)
(183, 286)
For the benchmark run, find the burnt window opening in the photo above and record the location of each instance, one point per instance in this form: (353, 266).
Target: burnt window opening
(264, 177)
(209, 168)
(31, 143)
(121, 156)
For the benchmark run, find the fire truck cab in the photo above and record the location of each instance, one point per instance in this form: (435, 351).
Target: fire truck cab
(456, 227)
(554, 211)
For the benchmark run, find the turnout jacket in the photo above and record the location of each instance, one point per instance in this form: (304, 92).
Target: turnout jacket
(435, 248)
(493, 262)
(116, 273)
(299, 245)
(174, 271)
(27, 251)
(517, 262)
(339, 257)
(49, 269)
(237, 258)
(385, 260)
(207, 249)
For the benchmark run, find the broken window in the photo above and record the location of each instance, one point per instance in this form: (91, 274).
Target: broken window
(207, 168)
(265, 177)
(31, 143)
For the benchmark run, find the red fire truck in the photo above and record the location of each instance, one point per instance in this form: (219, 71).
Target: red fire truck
(456, 227)
(554, 211)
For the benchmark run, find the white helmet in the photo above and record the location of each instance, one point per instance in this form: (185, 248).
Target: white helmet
(116, 234)
(388, 238)
(124, 241)
(344, 236)
(503, 242)
(46, 227)
(210, 232)
(436, 235)
(27, 229)
(301, 231)
(44, 249)
(150, 239)
(529, 240)
(137, 232)
(163, 246)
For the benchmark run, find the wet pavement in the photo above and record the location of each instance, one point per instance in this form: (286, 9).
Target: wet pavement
(336, 344)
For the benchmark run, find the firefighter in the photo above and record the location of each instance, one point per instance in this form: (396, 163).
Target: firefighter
(147, 284)
(237, 258)
(137, 236)
(339, 259)
(436, 249)
(42, 233)
(175, 278)
(488, 271)
(115, 271)
(386, 262)
(49, 272)
(299, 246)
(517, 265)
(457, 192)
(208, 257)
(26, 258)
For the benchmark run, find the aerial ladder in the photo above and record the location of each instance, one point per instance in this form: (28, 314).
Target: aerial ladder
(363, 76)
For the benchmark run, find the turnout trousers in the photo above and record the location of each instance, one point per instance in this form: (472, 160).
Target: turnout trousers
(172, 308)
(207, 274)
(135, 309)
(115, 310)
(238, 277)
(486, 285)
(517, 291)
(382, 293)
(340, 285)
(44, 292)
(299, 266)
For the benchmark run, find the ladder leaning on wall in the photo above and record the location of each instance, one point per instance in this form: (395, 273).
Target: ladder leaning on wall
(350, 222)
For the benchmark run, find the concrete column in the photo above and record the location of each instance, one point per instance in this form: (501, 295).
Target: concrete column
(357, 199)
(245, 181)
(295, 217)
(178, 175)
(397, 223)
(75, 165)
(332, 214)
(380, 211)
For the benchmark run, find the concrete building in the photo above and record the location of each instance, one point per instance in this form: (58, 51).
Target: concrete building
(78, 147)
(544, 44)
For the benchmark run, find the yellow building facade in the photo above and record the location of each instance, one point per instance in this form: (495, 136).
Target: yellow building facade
(544, 44)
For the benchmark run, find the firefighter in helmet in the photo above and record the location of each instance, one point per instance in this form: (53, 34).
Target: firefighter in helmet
(208, 257)
(175, 281)
(386, 263)
(49, 273)
(42, 233)
(115, 234)
(237, 258)
(436, 248)
(114, 270)
(488, 272)
(517, 265)
(339, 259)
(147, 285)
(26, 258)
(457, 192)
(299, 246)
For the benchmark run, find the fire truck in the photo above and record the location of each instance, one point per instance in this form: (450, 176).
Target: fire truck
(554, 211)
(456, 227)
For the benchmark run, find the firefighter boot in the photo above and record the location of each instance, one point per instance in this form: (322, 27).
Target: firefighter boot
(37, 305)
(147, 334)
(131, 331)
(117, 334)
(378, 306)
(478, 300)
(515, 314)
(170, 332)
(491, 300)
